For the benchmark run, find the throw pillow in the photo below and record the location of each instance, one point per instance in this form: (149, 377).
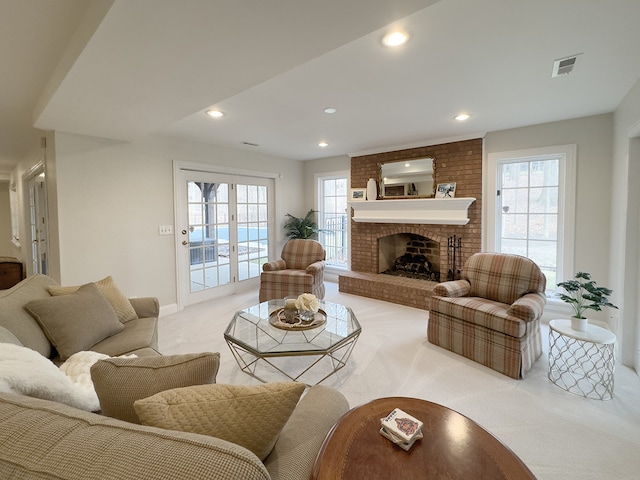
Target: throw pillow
(111, 292)
(78, 368)
(121, 381)
(26, 372)
(250, 416)
(77, 321)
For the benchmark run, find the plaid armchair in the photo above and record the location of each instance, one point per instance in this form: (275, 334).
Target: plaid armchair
(492, 315)
(300, 270)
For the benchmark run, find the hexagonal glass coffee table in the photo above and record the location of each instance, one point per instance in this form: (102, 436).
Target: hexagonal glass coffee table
(302, 354)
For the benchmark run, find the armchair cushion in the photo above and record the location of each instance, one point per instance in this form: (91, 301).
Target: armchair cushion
(480, 311)
(503, 278)
(299, 253)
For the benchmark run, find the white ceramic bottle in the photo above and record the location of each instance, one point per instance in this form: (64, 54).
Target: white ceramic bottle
(372, 189)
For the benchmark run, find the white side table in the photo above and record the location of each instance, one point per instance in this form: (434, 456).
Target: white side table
(582, 362)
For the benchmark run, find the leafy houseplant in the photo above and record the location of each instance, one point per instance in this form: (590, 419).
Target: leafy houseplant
(305, 227)
(583, 294)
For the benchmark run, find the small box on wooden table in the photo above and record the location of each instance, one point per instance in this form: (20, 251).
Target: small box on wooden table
(401, 428)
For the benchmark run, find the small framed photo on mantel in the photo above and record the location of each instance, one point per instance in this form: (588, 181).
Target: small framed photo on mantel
(446, 190)
(358, 195)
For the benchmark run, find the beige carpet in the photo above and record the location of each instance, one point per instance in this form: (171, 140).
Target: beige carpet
(560, 436)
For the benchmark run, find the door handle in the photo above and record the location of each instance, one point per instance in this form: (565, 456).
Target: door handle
(184, 242)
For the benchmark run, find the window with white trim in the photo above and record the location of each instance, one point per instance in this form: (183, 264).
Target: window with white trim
(333, 218)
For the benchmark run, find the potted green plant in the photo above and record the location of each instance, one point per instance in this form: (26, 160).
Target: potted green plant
(583, 294)
(304, 227)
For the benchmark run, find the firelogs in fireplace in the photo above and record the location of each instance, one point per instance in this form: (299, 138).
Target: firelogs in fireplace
(412, 265)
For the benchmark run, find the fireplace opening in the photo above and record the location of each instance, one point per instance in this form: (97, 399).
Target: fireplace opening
(409, 255)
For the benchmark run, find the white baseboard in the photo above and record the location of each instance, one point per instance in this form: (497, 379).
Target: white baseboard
(168, 309)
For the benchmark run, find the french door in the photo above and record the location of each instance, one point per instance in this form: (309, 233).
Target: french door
(222, 233)
(532, 213)
(38, 229)
(529, 211)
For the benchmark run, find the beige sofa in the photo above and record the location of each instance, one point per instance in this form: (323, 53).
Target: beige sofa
(43, 439)
(139, 335)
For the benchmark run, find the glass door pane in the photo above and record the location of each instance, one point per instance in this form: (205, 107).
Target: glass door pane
(208, 217)
(38, 226)
(252, 229)
(529, 212)
(333, 219)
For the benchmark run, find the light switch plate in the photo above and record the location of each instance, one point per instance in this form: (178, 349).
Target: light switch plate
(165, 230)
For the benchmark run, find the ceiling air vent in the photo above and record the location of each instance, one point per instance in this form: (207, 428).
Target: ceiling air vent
(563, 66)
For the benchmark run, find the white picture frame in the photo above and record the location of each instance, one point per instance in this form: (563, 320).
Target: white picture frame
(446, 190)
(358, 195)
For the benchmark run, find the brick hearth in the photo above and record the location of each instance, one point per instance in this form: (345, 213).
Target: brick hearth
(459, 162)
(405, 291)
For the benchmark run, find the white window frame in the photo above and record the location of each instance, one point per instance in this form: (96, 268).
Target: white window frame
(566, 200)
(318, 177)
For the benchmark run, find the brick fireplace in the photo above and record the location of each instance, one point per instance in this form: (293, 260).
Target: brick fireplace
(459, 162)
(411, 256)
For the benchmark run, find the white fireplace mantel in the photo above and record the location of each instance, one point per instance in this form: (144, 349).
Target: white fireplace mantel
(441, 211)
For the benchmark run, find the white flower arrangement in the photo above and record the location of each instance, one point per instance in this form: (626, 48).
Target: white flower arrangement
(308, 302)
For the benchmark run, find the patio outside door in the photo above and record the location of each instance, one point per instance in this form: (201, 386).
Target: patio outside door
(222, 234)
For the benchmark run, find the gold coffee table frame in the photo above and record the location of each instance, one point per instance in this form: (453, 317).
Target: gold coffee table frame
(254, 342)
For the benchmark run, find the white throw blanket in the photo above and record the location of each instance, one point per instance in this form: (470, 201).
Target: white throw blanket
(27, 372)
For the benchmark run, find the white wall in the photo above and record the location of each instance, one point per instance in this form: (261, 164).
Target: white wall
(112, 196)
(625, 234)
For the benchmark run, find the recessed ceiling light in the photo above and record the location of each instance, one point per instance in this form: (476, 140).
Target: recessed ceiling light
(215, 113)
(329, 110)
(395, 39)
(323, 144)
(407, 164)
(462, 117)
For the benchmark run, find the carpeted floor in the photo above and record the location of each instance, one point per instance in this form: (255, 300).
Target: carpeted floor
(560, 436)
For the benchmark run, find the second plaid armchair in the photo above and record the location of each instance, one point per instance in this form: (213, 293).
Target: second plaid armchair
(300, 270)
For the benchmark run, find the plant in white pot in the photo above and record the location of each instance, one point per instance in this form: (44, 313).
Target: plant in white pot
(302, 227)
(583, 294)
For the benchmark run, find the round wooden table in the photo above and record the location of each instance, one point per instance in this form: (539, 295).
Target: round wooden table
(453, 447)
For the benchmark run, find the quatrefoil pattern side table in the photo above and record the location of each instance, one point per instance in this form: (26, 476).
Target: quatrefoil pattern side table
(582, 362)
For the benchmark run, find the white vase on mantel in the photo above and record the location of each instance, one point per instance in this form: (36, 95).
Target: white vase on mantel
(372, 189)
(579, 324)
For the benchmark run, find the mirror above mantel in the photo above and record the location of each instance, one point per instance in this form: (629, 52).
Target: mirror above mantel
(409, 178)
